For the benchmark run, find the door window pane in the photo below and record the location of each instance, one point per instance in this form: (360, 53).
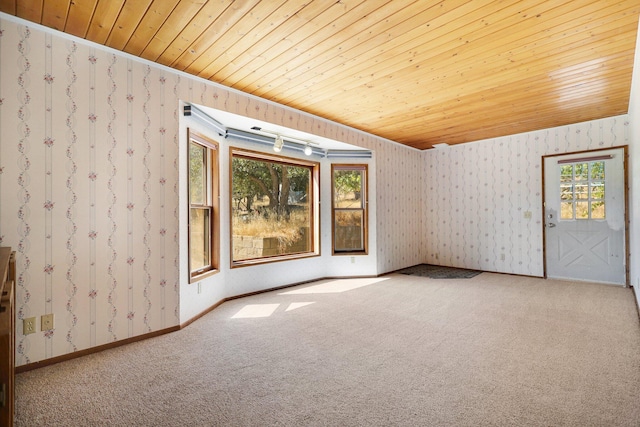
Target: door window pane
(582, 190)
(566, 173)
(582, 210)
(597, 190)
(581, 171)
(597, 170)
(566, 191)
(566, 210)
(597, 210)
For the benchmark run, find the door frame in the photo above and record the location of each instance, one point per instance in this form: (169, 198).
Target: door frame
(625, 174)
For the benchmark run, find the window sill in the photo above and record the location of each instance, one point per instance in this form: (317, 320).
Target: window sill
(353, 253)
(261, 261)
(201, 276)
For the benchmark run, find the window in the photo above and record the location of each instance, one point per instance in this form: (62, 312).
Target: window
(203, 207)
(349, 183)
(582, 187)
(273, 210)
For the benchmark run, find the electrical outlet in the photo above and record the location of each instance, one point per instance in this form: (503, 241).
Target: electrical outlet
(353, 260)
(502, 257)
(28, 326)
(46, 322)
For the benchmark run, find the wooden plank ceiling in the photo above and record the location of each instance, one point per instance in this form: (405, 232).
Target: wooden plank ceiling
(414, 71)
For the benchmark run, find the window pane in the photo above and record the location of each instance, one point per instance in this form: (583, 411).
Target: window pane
(583, 183)
(566, 173)
(566, 191)
(199, 238)
(348, 189)
(582, 210)
(349, 230)
(566, 210)
(582, 171)
(597, 210)
(582, 191)
(597, 190)
(271, 213)
(197, 174)
(597, 170)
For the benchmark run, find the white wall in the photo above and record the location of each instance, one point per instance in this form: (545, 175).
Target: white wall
(90, 158)
(477, 193)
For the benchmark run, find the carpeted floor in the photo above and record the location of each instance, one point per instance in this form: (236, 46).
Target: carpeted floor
(398, 350)
(439, 272)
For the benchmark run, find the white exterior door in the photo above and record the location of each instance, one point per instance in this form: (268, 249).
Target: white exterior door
(585, 216)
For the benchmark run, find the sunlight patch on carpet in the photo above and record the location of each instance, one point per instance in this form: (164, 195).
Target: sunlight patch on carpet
(255, 310)
(336, 286)
(296, 305)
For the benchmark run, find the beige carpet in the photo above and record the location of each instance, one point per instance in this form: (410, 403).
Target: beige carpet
(394, 351)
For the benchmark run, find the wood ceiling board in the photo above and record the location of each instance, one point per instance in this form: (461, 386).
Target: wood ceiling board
(366, 27)
(79, 17)
(30, 10)
(271, 45)
(179, 19)
(440, 52)
(150, 24)
(388, 62)
(128, 20)
(491, 75)
(104, 17)
(8, 6)
(521, 119)
(494, 109)
(54, 14)
(366, 56)
(299, 44)
(223, 28)
(493, 86)
(197, 26)
(396, 49)
(255, 25)
(466, 134)
(472, 115)
(307, 17)
(520, 113)
(393, 68)
(519, 77)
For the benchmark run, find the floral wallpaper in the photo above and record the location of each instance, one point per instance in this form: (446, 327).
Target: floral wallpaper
(89, 186)
(87, 194)
(478, 196)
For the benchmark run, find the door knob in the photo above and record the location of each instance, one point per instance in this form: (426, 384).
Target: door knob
(550, 225)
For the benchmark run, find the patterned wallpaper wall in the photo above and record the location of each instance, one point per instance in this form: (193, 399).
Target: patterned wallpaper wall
(476, 195)
(89, 186)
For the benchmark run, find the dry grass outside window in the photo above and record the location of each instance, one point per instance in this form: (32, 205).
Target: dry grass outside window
(288, 232)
